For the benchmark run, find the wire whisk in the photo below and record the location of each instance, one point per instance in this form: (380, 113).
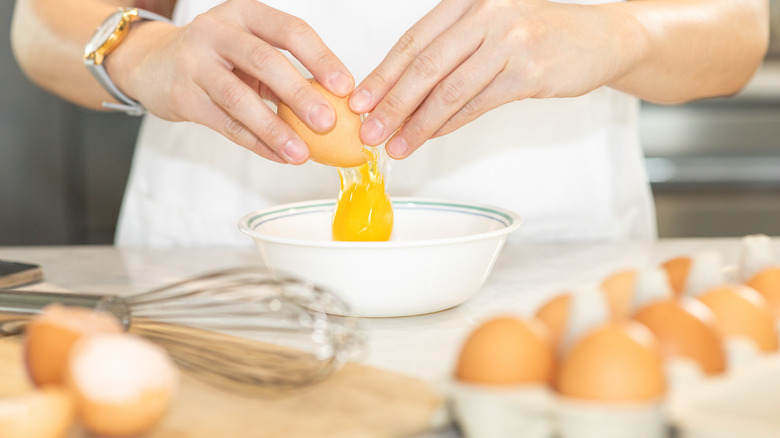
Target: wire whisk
(235, 327)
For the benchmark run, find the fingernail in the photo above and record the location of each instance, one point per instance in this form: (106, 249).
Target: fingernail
(296, 151)
(360, 100)
(340, 83)
(397, 147)
(372, 131)
(322, 118)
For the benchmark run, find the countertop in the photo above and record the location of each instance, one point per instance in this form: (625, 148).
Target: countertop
(426, 346)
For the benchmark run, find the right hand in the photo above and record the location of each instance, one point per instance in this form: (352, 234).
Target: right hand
(217, 70)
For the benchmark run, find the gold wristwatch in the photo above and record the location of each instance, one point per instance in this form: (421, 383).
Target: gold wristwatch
(105, 39)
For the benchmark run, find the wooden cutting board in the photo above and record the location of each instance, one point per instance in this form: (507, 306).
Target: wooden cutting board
(357, 401)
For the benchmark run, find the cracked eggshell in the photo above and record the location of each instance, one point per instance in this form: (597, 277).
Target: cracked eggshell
(123, 385)
(50, 335)
(42, 413)
(339, 147)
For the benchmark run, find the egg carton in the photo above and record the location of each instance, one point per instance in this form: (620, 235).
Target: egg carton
(740, 403)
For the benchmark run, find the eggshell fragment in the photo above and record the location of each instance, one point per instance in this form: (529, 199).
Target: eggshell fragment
(619, 289)
(42, 413)
(507, 351)
(123, 385)
(677, 269)
(555, 314)
(686, 328)
(341, 146)
(618, 362)
(50, 335)
(741, 311)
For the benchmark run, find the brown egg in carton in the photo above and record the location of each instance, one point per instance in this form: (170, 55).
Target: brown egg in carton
(629, 356)
(87, 373)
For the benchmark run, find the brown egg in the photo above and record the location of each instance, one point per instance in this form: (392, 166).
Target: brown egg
(507, 351)
(767, 283)
(618, 362)
(341, 146)
(43, 413)
(555, 314)
(123, 385)
(677, 269)
(50, 335)
(685, 327)
(619, 289)
(741, 311)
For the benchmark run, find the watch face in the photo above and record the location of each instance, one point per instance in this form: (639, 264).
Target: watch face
(104, 31)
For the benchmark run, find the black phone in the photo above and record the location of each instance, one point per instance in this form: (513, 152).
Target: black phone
(14, 274)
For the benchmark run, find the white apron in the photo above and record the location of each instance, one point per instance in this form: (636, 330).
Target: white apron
(571, 167)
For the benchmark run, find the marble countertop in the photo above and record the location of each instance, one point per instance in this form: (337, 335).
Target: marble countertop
(424, 346)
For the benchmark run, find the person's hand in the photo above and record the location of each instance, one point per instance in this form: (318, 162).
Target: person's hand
(217, 70)
(466, 57)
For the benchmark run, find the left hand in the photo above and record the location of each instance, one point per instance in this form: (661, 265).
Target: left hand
(466, 57)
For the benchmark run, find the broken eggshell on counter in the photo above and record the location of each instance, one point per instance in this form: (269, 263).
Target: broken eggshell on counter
(123, 385)
(46, 412)
(116, 384)
(501, 385)
(50, 335)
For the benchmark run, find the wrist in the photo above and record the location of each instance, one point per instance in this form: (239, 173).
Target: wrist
(125, 63)
(630, 40)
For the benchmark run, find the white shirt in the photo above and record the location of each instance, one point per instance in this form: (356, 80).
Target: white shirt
(572, 168)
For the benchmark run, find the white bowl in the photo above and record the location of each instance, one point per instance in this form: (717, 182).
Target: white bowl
(439, 255)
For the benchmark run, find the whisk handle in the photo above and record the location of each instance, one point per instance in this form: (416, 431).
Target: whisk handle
(21, 305)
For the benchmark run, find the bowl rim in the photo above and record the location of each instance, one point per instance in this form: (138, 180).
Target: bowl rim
(514, 222)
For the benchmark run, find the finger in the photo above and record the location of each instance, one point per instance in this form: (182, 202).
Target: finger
(493, 96)
(247, 110)
(374, 87)
(293, 34)
(214, 117)
(267, 64)
(424, 73)
(259, 87)
(447, 98)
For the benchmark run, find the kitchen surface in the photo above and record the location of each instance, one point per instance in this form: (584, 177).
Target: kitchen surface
(418, 354)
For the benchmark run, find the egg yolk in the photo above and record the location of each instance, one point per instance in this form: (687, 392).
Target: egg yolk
(363, 210)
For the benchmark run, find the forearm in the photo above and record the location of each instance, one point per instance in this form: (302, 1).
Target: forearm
(680, 50)
(49, 44)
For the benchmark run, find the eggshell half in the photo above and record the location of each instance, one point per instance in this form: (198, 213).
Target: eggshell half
(619, 289)
(677, 269)
(341, 146)
(50, 335)
(555, 314)
(123, 385)
(42, 413)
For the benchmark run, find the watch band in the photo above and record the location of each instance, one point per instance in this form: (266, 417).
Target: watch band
(103, 43)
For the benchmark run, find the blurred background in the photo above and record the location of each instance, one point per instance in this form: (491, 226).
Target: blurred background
(714, 164)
